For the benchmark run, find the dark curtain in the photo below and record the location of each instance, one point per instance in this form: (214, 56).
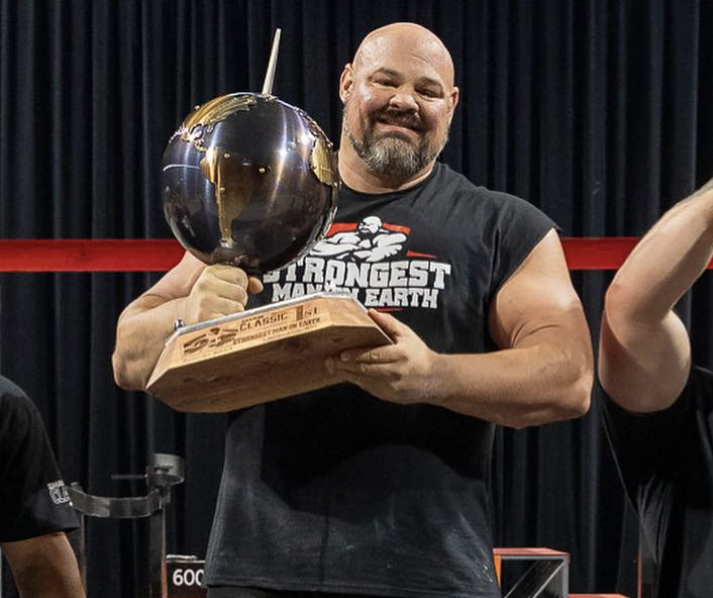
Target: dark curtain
(597, 111)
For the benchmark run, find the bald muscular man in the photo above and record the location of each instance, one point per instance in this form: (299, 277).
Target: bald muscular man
(379, 486)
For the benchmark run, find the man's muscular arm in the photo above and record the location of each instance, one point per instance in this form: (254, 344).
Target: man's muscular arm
(644, 351)
(44, 567)
(190, 292)
(337, 245)
(543, 372)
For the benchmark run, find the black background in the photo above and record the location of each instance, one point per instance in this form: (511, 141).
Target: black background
(599, 112)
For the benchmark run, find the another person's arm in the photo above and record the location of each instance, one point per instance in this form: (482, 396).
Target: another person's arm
(44, 567)
(543, 372)
(35, 511)
(644, 351)
(191, 293)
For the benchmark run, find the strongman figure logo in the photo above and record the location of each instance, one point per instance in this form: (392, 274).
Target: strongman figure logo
(370, 242)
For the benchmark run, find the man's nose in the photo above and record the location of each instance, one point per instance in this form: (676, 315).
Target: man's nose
(404, 99)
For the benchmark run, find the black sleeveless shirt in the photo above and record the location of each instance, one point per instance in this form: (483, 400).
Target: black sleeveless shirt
(338, 491)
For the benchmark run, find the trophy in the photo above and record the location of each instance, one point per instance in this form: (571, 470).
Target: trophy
(251, 181)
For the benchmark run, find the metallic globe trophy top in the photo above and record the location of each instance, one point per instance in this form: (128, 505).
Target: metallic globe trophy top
(249, 180)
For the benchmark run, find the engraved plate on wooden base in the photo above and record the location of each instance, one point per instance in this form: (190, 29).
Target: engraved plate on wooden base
(261, 355)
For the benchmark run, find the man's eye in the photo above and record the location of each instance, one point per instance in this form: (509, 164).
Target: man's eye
(385, 82)
(429, 93)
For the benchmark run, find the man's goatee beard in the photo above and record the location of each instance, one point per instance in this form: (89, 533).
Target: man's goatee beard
(391, 156)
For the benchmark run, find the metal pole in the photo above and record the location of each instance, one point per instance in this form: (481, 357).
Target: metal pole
(272, 64)
(158, 586)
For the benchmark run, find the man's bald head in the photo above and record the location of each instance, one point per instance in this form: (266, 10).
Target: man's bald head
(399, 99)
(406, 37)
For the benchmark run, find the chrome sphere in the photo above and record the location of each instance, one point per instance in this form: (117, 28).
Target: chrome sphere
(249, 180)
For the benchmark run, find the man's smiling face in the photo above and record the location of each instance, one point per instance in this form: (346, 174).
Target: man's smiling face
(398, 101)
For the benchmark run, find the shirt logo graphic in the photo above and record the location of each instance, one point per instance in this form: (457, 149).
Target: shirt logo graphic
(371, 261)
(370, 242)
(58, 492)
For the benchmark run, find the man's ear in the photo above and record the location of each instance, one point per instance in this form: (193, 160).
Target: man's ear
(346, 82)
(453, 97)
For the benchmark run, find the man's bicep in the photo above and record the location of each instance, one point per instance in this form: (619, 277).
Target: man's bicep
(538, 302)
(21, 553)
(44, 566)
(643, 366)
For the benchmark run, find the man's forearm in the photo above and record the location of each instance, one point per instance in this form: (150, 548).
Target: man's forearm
(668, 260)
(140, 338)
(517, 387)
(543, 373)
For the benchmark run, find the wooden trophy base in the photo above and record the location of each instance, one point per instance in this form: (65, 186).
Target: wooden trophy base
(260, 355)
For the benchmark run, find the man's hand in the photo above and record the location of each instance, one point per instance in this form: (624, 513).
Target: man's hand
(399, 373)
(191, 292)
(220, 290)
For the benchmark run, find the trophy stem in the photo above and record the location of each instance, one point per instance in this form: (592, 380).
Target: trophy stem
(272, 64)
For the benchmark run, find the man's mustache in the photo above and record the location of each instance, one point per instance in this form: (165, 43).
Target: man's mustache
(401, 118)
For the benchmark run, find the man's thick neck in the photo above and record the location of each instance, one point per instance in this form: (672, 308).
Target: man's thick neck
(355, 174)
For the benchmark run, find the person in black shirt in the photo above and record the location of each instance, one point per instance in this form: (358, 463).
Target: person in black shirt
(34, 505)
(658, 407)
(379, 486)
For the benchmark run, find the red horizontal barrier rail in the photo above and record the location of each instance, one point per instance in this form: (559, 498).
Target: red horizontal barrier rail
(89, 255)
(159, 255)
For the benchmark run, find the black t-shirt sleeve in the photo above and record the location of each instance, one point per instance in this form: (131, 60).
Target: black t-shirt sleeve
(519, 227)
(33, 499)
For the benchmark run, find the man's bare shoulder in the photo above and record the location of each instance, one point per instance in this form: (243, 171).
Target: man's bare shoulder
(538, 294)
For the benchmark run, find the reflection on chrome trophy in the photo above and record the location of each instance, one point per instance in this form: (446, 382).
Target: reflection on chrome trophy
(251, 181)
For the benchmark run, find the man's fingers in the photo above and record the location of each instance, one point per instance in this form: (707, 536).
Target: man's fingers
(388, 354)
(389, 324)
(235, 277)
(218, 307)
(214, 288)
(360, 381)
(346, 376)
(255, 285)
(229, 282)
(229, 274)
(366, 370)
(233, 293)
